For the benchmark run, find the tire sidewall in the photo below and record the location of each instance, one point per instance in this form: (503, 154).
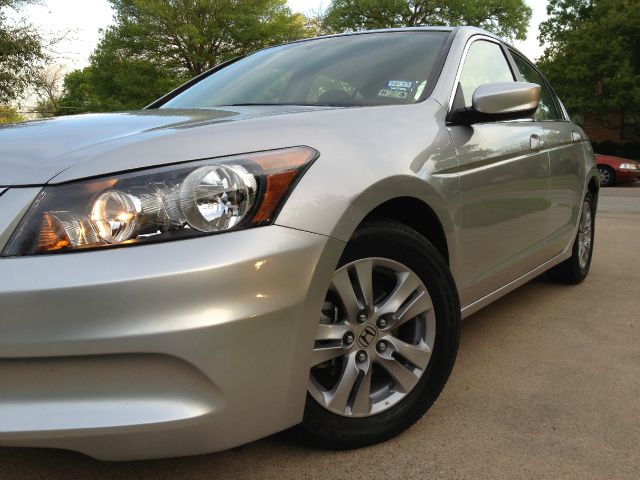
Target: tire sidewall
(416, 253)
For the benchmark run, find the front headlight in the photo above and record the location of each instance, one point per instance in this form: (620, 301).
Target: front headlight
(628, 166)
(166, 203)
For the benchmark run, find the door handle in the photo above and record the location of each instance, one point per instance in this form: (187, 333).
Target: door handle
(536, 142)
(576, 137)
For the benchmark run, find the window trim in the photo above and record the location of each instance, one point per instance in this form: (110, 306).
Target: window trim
(463, 59)
(562, 111)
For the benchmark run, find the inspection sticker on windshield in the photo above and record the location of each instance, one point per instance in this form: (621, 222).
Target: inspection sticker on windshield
(420, 90)
(401, 85)
(392, 93)
(407, 86)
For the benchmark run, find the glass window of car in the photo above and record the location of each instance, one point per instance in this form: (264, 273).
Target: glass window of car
(323, 84)
(485, 63)
(547, 109)
(350, 70)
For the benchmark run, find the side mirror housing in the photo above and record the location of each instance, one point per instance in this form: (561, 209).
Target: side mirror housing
(498, 101)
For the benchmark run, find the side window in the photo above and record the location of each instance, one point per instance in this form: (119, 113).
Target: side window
(485, 63)
(547, 110)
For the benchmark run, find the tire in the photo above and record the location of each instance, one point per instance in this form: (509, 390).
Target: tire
(576, 268)
(607, 176)
(389, 247)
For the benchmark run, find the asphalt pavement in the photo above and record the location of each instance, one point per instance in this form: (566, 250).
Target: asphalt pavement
(547, 385)
(623, 198)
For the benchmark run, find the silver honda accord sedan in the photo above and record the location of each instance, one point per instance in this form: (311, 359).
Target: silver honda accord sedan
(288, 241)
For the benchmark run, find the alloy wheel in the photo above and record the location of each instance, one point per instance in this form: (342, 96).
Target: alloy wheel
(584, 235)
(374, 339)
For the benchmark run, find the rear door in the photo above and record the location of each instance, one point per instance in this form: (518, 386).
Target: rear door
(504, 180)
(563, 143)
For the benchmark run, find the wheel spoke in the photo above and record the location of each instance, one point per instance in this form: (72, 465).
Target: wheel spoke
(404, 378)
(407, 284)
(364, 272)
(337, 398)
(324, 354)
(416, 354)
(362, 401)
(334, 331)
(421, 303)
(342, 285)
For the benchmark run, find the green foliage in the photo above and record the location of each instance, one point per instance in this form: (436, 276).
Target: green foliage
(508, 18)
(593, 55)
(108, 85)
(191, 36)
(564, 16)
(155, 45)
(16, 4)
(78, 93)
(9, 115)
(20, 53)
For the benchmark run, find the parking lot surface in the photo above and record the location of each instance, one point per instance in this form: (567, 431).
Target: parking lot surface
(547, 385)
(621, 199)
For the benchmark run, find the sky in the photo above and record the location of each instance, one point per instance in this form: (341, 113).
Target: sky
(83, 19)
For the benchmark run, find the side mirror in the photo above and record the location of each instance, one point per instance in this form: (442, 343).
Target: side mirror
(498, 101)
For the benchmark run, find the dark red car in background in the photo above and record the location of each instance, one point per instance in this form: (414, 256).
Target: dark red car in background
(617, 170)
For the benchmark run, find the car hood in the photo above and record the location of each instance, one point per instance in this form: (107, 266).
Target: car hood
(34, 153)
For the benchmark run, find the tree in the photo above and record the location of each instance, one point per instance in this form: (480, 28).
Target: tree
(508, 18)
(593, 55)
(191, 36)
(21, 52)
(9, 115)
(155, 45)
(48, 89)
(78, 93)
(564, 16)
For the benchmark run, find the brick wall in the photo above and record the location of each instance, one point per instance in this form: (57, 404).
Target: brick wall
(606, 129)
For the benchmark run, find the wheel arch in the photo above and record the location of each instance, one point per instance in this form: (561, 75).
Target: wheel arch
(597, 176)
(417, 215)
(593, 183)
(429, 206)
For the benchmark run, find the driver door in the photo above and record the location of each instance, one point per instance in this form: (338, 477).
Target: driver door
(504, 180)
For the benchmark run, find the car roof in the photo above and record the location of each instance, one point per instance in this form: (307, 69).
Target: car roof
(466, 31)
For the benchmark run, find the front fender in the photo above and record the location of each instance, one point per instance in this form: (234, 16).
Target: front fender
(338, 216)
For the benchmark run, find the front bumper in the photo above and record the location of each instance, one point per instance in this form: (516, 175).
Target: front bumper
(160, 350)
(624, 176)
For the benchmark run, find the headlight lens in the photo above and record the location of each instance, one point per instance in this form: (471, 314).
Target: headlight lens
(628, 166)
(166, 203)
(217, 197)
(114, 216)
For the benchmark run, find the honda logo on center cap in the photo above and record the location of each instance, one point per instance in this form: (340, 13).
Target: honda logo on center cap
(367, 336)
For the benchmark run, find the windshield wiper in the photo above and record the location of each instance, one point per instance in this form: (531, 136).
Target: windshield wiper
(248, 104)
(289, 105)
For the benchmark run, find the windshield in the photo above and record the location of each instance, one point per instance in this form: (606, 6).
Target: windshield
(352, 70)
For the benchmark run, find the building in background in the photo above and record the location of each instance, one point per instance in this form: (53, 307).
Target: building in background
(615, 134)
